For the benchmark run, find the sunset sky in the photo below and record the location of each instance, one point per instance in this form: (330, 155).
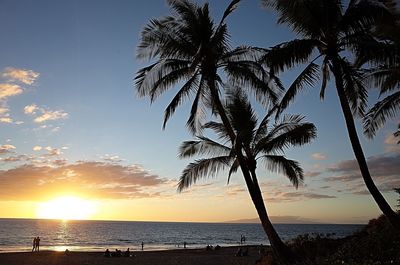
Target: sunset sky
(72, 125)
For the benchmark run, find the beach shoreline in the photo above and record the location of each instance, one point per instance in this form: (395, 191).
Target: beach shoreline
(200, 256)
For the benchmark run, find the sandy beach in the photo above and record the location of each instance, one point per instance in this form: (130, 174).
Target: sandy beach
(224, 256)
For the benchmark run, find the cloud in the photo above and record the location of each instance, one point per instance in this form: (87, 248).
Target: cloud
(384, 169)
(235, 190)
(296, 196)
(9, 90)
(37, 148)
(112, 158)
(391, 145)
(24, 76)
(6, 148)
(311, 174)
(319, 156)
(30, 109)
(95, 179)
(49, 115)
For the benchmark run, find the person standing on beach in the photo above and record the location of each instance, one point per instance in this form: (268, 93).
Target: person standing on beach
(34, 244)
(142, 245)
(37, 243)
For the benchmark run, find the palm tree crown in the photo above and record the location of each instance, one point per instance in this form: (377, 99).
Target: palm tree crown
(330, 35)
(333, 34)
(266, 143)
(382, 53)
(190, 50)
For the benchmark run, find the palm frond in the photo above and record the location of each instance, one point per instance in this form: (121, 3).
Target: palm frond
(183, 93)
(298, 135)
(290, 168)
(380, 112)
(154, 80)
(252, 75)
(308, 77)
(231, 7)
(306, 17)
(289, 54)
(363, 15)
(232, 170)
(354, 86)
(219, 129)
(194, 122)
(325, 77)
(241, 116)
(202, 168)
(203, 146)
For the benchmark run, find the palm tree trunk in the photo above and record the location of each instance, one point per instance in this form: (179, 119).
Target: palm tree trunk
(283, 252)
(393, 217)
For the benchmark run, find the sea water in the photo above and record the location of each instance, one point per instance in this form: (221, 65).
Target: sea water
(18, 234)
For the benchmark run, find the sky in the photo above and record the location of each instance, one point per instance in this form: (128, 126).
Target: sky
(72, 125)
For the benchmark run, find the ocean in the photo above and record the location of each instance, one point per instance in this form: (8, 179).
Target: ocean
(17, 234)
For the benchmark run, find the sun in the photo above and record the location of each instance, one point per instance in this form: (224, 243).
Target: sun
(66, 208)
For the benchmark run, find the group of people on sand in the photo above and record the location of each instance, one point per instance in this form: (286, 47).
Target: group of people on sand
(36, 244)
(117, 253)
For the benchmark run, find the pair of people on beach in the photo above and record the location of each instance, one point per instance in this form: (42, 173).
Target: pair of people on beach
(36, 244)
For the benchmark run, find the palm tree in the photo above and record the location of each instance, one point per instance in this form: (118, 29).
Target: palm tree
(329, 34)
(264, 143)
(191, 51)
(383, 53)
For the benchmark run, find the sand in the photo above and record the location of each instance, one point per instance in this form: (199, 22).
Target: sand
(224, 256)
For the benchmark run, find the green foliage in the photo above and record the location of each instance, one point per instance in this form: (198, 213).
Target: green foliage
(377, 243)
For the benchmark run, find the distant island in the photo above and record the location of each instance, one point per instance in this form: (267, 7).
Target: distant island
(278, 220)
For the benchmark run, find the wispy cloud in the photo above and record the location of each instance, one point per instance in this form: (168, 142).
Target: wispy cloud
(319, 156)
(296, 196)
(9, 90)
(37, 148)
(384, 169)
(311, 174)
(49, 115)
(24, 76)
(391, 145)
(42, 114)
(6, 148)
(30, 109)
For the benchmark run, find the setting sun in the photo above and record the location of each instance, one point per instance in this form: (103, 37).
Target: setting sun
(66, 208)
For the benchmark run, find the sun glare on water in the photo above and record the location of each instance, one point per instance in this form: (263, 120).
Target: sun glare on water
(66, 208)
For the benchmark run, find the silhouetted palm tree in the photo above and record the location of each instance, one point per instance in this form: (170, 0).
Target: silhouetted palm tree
(383, 53)
(191, 51)
(263, 143)
(331, 34)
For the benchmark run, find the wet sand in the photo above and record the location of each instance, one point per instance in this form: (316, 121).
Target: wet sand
(223, 256)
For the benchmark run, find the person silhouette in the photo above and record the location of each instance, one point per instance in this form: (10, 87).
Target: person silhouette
(142, 245)
(34, 244)
(37, 243)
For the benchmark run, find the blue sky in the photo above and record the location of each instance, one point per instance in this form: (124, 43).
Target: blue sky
(82, 58)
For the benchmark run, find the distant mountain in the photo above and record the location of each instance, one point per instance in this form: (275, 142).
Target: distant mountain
(278, 220)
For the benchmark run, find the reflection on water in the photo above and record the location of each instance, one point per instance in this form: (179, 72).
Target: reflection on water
(17, 234)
